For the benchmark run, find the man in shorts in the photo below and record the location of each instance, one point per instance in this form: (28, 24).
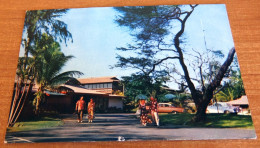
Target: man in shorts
(80, 108)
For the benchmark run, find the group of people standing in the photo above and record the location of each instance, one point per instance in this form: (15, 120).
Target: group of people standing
(81, 107)
(145, 108)
(152, 109)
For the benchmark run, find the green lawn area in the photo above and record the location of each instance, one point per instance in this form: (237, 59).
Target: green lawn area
(34, 124)
(213, 120)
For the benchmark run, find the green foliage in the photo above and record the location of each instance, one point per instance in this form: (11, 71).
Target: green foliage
(225, 95)
(180, 100)
(38, 22)
(158, 49)
(149, 25)
(233, 89)
(141, 84)
(147, 22)
(48, 63)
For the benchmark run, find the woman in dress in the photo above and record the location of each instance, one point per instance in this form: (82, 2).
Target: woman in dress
(154, 111)
(143, 113)
(91, 108)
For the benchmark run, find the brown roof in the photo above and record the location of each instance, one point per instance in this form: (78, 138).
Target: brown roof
(81, 90)
(242, 101)
(97, 80)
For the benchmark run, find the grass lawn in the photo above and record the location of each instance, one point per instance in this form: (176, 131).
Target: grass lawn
(213, 120)
(34, 124)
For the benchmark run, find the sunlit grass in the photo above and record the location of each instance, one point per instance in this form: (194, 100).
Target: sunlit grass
(39, 123)
(213, 120)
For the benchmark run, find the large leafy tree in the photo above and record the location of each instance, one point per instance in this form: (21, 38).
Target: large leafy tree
(36, 23)
(137, 84)
(159, 34)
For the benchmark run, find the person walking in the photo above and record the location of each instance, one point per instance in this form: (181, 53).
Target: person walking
(91, 110)
(154, 111)
(80, 108)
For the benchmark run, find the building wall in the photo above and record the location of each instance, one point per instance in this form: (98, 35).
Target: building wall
(61, 104)
(115, 102)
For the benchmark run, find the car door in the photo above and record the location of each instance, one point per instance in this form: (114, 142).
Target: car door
(161, 108)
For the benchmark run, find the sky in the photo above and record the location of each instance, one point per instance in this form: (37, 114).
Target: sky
(96, 37)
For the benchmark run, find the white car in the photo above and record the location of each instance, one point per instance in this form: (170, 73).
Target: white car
(222, 107)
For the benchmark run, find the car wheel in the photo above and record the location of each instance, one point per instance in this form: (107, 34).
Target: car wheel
(174, 112)
(226, 112)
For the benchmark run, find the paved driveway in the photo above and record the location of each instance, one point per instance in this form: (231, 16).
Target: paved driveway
(108, 127)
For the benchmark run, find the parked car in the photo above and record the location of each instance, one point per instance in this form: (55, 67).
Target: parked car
(165, 108)
(222, 107)
(169, 108)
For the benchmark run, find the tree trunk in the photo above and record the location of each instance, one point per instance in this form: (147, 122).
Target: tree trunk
(39, 98)
(202, 106)
(17, 107)
(208, 95)
(24, 101)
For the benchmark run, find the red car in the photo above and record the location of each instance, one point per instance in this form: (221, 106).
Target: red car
(169, 108)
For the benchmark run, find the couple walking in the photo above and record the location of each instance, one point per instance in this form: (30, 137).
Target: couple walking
(81, 107)
(153, 105)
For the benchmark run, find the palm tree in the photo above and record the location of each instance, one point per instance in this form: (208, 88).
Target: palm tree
(36, 23)
(233, 89)
(49, 61)
(226, 95)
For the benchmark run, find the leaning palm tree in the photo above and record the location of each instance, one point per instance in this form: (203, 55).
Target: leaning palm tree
(49, 61)
(23, 85)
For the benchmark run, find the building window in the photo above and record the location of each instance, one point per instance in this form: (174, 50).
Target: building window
(109, 85)
(105, 85)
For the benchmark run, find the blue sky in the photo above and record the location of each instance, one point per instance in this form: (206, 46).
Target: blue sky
(96, 36)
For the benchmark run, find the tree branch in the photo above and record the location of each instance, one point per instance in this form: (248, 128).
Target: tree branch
(181, 58)
(216, 82)
(160, 61)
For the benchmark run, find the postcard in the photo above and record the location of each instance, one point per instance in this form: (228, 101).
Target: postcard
(164, 72)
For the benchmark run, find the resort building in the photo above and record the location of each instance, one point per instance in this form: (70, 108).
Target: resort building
(107, 93)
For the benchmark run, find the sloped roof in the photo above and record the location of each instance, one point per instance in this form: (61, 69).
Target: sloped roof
(81, 90)
(242, 101)
(97, 80)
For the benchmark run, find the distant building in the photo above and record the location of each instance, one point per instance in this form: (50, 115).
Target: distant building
(107, 93)
(241, 102)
